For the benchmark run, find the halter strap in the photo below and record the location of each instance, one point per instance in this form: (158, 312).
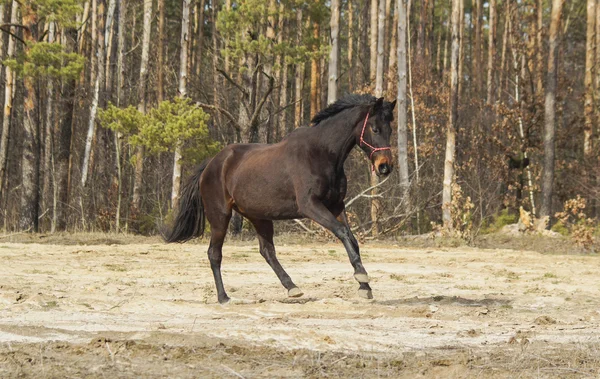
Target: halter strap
(363, 142)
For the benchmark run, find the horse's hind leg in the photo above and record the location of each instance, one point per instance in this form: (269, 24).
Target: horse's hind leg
(218, 224)
(264, 229)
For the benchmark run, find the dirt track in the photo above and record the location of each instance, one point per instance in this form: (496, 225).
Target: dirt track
(151, 311)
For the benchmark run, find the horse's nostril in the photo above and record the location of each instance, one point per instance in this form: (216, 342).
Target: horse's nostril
(384, 169)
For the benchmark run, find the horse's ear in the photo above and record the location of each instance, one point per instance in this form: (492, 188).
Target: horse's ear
(377, 106)
(392, 105)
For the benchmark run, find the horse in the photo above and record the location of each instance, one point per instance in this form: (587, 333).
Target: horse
(300, 177)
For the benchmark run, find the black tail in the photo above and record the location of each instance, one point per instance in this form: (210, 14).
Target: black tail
(189, 222)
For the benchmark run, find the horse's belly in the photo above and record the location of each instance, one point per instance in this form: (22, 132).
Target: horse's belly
(265, 197)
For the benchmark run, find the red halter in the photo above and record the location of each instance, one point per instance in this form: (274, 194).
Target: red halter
(373, 148)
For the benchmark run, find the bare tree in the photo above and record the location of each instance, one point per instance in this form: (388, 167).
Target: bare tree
(491, 52)
(402, 121)
(373, 40)
(139, 156)
(380, 50)
(334, 53)
(550, 110)
(299, 79)
(477, 24)
(8, 97)
(30, 163)
(98, 77)
(452, 118)
(183, 77)
(161, 52)
(590, 47)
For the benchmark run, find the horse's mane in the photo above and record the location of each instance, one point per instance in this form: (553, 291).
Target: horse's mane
(346, 102)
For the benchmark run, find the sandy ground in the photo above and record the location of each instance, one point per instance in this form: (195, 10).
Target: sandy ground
(150, 310)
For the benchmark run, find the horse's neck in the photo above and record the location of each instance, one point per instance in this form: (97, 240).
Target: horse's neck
(338, 134)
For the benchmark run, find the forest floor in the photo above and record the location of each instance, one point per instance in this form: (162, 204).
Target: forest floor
(149, 310)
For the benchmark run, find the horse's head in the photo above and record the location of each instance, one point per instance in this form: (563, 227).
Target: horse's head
(374, 135)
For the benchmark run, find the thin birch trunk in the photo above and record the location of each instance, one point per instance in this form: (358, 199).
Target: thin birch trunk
(461, 54)
(590, 47)
(491, 52)
(314, 75)
(522, 134)
(98, 70)
(334, 53)
(373, 40)
(350, 46)
(200, 44)
(503, 58)
(160, 87)
(452, 118)
(540, 48)
(400, 15)
(48, 167)
(183, 78)
(299, 75)
(550, 110)
(477, 24)
(380, 50)
(374, 179)
(139, 155)
(393, 48)
(108, 45)
(283, 96)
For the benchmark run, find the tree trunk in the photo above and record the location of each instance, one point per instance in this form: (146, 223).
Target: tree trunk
(161, 51)
(421, 32)
(380, 50)
(461, 54)
(491, 52)
(350, 47)
(139, 156)
(283, 96)
(373, 40)
(452, 118)
(540, 47)
(8, 98)
(387, 32)
(400, 15)
(200, 44)
(503, 58)
(550, 109)
(334, 53)
(30, 191)
(183, 77)
(1, 36)
(98, 75)
(108, 43)
(477, 24)
(48, 168)
(314, 74)
(588, 80)
(299, 79)
(394, 47)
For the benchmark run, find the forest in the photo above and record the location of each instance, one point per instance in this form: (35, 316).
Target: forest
(108, 105)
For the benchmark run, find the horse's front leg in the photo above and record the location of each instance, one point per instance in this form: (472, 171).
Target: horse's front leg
(314, 209)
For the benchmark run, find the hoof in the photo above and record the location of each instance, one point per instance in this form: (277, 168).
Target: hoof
(224, 300)
(361, 278)
(365, 294)
(295, 292)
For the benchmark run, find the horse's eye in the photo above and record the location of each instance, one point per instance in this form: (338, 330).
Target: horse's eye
(375, 129)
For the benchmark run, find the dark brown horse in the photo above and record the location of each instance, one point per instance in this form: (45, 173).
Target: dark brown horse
(300, 177)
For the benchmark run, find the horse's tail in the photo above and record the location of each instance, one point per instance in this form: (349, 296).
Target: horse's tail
(189, 222)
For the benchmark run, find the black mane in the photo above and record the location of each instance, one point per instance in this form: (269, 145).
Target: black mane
(348, 101)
